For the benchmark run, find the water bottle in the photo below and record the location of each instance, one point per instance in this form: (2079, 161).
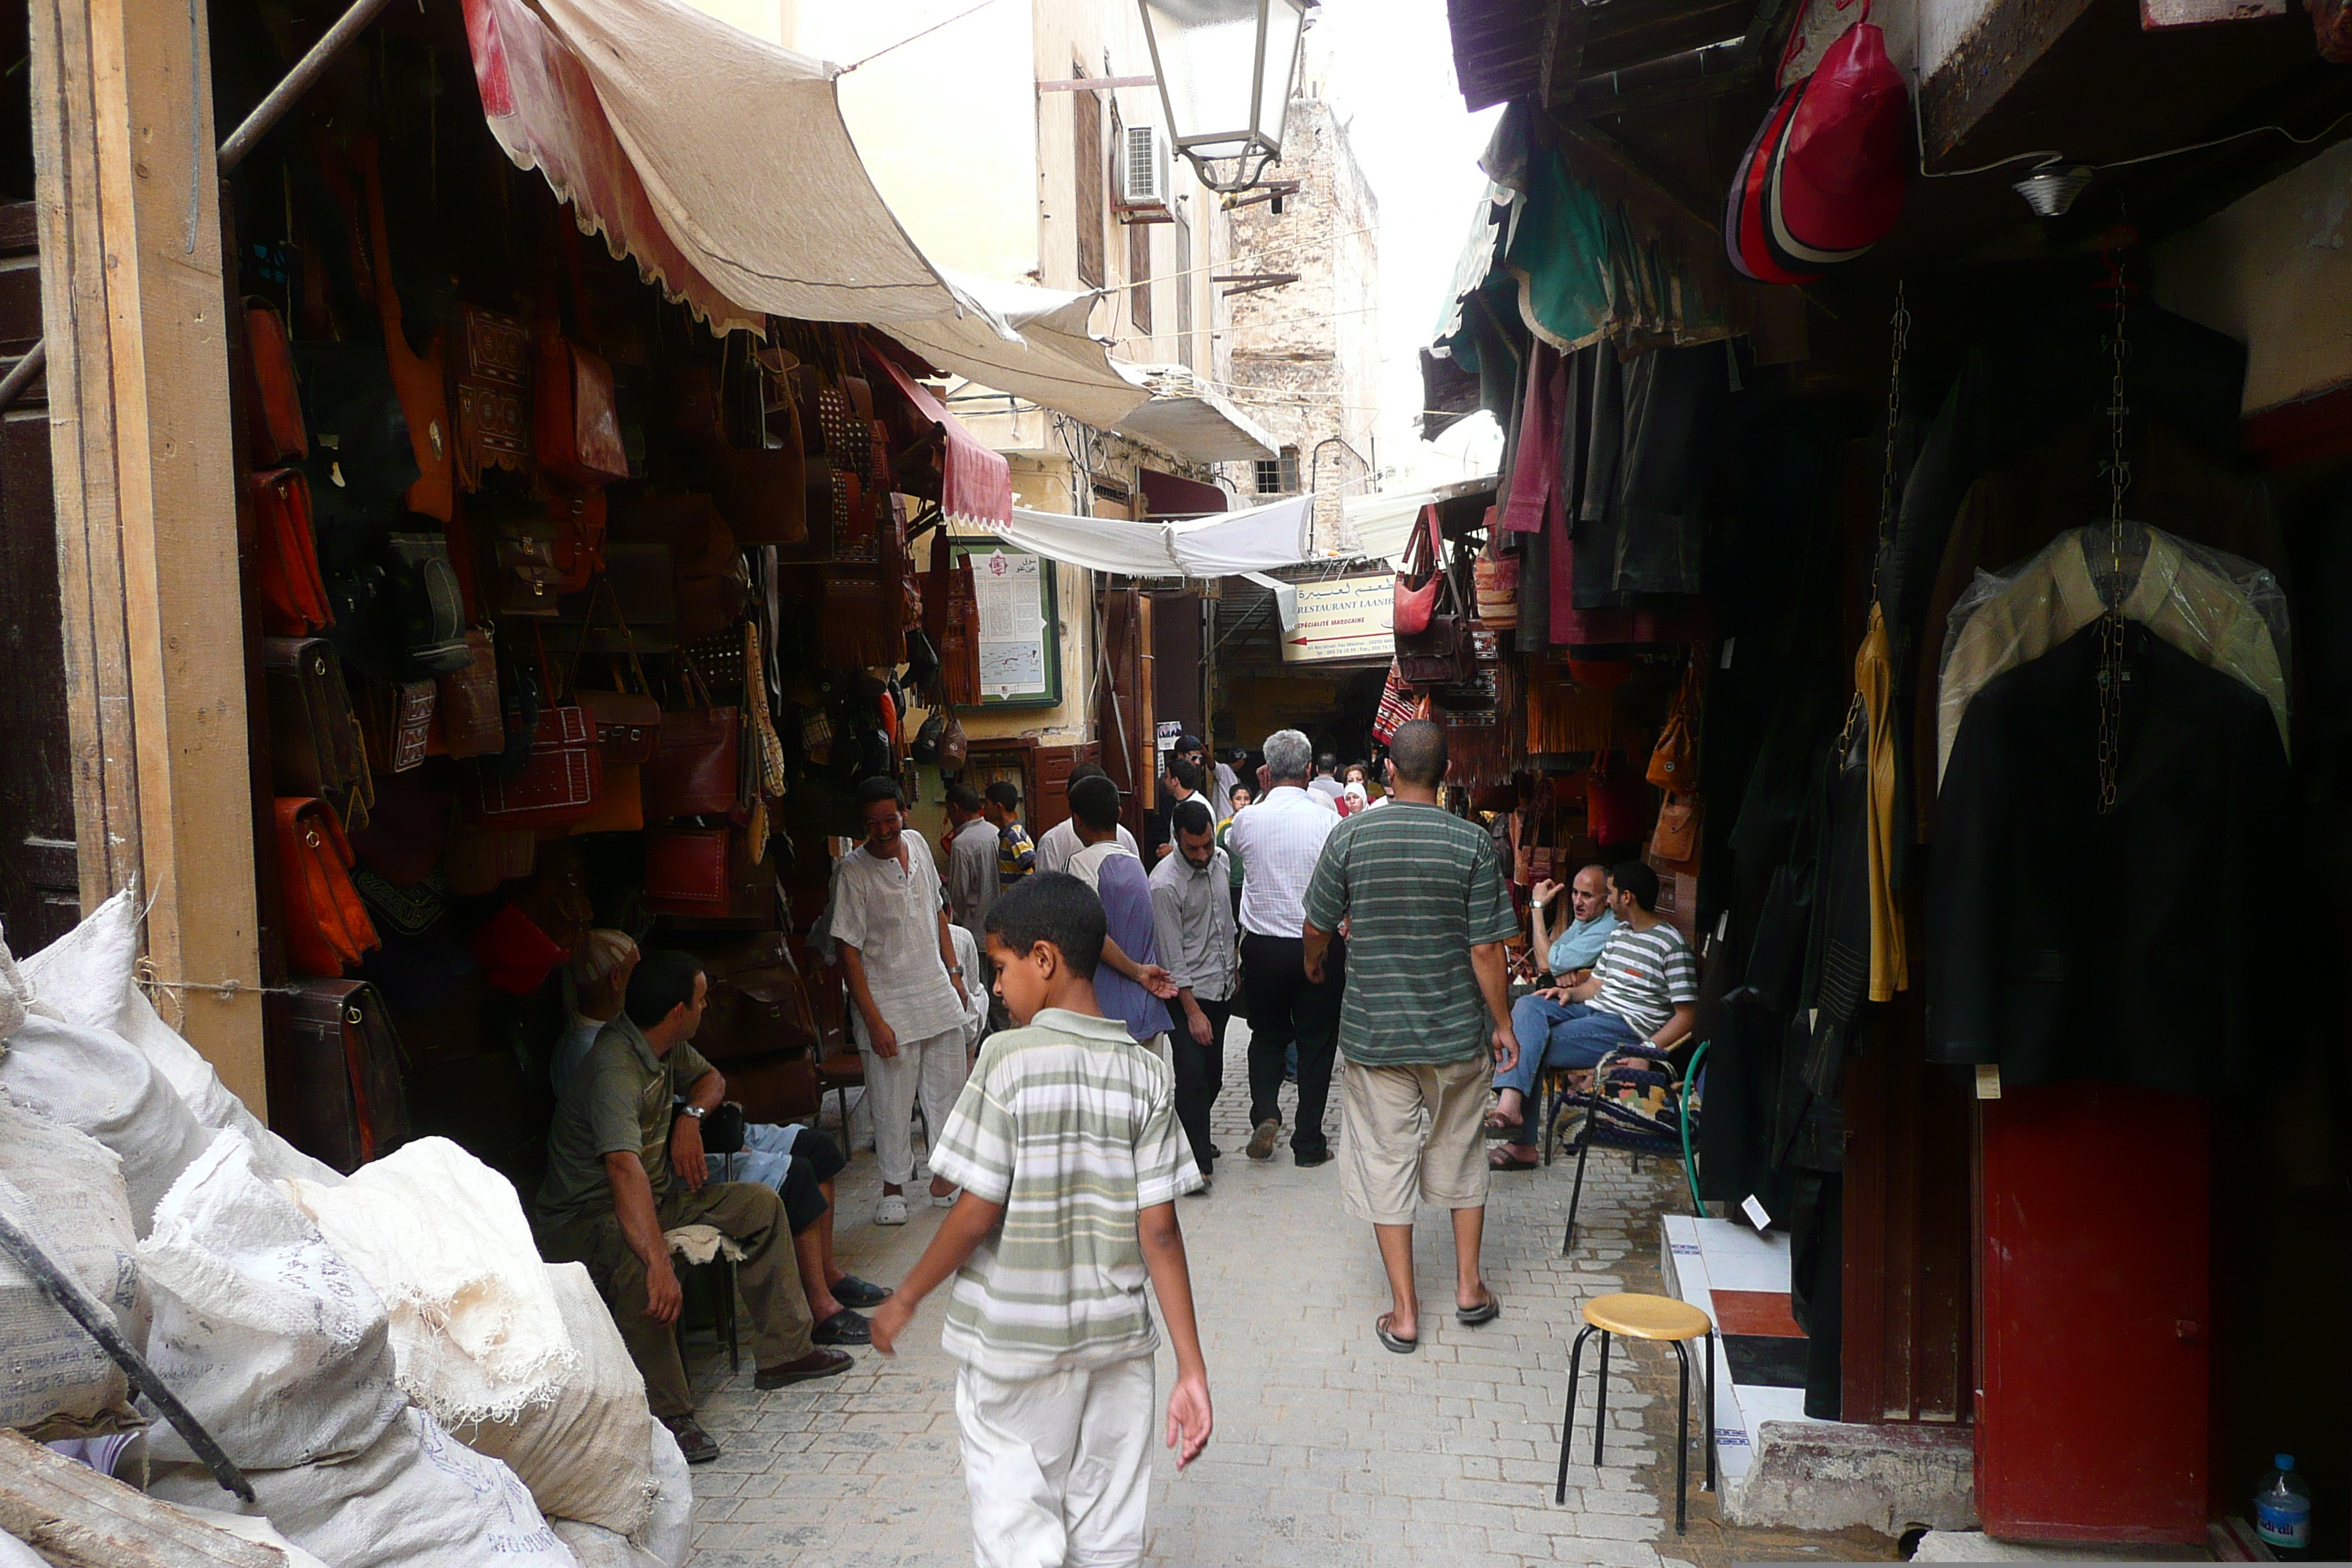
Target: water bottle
(2283, 1509)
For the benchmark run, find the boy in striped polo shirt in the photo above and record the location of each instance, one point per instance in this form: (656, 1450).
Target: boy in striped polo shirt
(1066, 1146)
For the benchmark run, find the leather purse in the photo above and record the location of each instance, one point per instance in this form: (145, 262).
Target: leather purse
(493, 384)
(516, 956)
(360, 463)
(327, 926)
(420, 380)
(857, 622)
(686, 870)
(294, 601)
(336, 1090)
(759, 1005)
(575, 424)
(695, 767)
(1423, 556)
(397, 725)
(578, 516)
(1674, 761)
(1675, 838)
(315, 748)
(273, 429)
(559, 785)
(522, 537)
(627, 724)
(472, 724)
(482, 860)
(428, 603)
(763, 492)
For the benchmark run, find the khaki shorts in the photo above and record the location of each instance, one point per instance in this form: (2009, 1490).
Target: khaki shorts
(1412, 1135)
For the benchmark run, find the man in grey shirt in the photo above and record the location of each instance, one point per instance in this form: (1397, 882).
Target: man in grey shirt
(973, 876)
(1193, 916)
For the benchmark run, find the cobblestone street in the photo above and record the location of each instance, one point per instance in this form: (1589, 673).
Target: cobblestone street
(1325, 1444)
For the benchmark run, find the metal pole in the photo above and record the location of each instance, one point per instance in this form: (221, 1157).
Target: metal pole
(300, 81)
(99, 1322)
(23, 374)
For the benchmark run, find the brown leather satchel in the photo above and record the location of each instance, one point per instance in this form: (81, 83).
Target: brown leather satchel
(472, 724)
(627, 722)
(558, 786)
(575, 423)
(578, 514)
(398, 724)
(1677, 838)
(686, 870)
(1674, 761)
(759, 1002)
(327, 925)
(481, 859)
(857, 621)
(335, 1085)
(763, 490)
(421, 381)
(951, 618)
(293, 596)
(274, 426)
(695, 768)
(493, 385)
(315, 747)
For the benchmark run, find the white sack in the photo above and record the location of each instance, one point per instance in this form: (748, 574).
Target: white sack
(64, 1190)
(15, 992)
(596, 1547)
(417, 1499)
(95, 1080)
(269, 1337)
(246, 1527)
(87, 977)
(584, 1454)
(14, 1554)
(668, 1535)
(441, 1237)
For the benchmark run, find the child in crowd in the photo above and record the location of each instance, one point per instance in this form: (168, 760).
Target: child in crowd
(1065, 1144)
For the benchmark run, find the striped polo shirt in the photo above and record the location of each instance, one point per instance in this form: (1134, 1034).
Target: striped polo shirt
(1419, 887)
(1645, 975)
(1072, 1127)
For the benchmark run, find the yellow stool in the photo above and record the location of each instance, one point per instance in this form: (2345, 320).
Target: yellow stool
(1643, 1317)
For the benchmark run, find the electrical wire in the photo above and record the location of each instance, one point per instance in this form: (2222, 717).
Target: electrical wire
(910, 37)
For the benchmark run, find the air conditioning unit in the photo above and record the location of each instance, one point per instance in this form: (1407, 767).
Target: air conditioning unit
(1145, 173)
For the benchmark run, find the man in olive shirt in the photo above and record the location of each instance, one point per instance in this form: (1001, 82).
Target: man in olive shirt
(1426, 1000)
(625, 1165)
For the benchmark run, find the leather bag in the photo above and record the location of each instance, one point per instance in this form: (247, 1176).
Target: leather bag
(472, 724)
(420, 380)
(575, 424)
(1417, 584)
(1675, 838)
(686, 870)
(1497, 587)
(397, 725)
(273, 429)
(763, 492)
(559, 785)
(1674, 761)
(695, 768)
(336, 1090)
(1399, 706)
(428, 603)
(482, 860)
(2331, 24)
(759, 1004)
(515, 954)
(493, 385)
(294, 601)
(627, 722)
(579, 520)
(407, 831)
(327, 926)
(315, 748)
(1836, 184)
(360, 462)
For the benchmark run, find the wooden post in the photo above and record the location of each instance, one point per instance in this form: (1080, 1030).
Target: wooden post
(133, 307)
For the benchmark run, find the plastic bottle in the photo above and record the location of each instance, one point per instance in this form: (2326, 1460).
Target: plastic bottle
(2283, 1509)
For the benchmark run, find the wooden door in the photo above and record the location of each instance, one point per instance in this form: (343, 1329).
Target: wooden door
(1123, 702)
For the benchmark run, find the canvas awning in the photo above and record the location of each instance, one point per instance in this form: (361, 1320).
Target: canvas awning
(975, 484)
(1383, 523)
(1054, 364)
(716, 160)
(1191, 418)
(1227, 545)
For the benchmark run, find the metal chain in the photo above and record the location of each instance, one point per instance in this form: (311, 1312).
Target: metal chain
(2111, 623)
(1899, 339)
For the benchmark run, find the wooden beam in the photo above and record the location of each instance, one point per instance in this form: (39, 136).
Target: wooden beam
(133, 312)
(76, 1518)
(1994, 58)
(1563, 49)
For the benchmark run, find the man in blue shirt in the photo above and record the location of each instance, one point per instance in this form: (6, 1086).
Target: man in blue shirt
(1130, 985)
(1579, 940)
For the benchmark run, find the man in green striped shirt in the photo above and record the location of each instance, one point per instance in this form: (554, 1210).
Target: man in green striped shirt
(1426, 1001)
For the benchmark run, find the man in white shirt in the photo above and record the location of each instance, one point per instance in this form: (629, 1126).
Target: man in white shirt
(1193, 920)
(1279, 839)
(973, 877)
(907, 988)
(1325, 782)
(1059, 845)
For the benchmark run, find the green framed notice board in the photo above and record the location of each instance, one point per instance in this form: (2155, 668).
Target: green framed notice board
(1020, 624)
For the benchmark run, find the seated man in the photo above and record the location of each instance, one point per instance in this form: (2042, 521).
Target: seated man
(1643, 989)
(625, 1165)
(1568, 952)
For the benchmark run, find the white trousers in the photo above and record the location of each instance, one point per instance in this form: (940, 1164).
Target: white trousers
(933, 1069)
(1059, 1466)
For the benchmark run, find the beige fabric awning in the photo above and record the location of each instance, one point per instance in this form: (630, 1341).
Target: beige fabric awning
(1055, 364)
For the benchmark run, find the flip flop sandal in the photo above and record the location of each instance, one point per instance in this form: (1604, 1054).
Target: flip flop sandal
(1485, 1312)
(852, 1291)
(1499, 1160)
(1400, 1345)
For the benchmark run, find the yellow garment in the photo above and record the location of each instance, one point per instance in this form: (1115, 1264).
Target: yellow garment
(2055, 595)
(1873, 677)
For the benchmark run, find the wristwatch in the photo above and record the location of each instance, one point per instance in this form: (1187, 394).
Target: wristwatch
(956, 970)
(696, 1112)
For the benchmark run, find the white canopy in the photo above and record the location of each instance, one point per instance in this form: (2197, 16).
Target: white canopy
(1056, 364)
(1383, 523)
(1225, 546)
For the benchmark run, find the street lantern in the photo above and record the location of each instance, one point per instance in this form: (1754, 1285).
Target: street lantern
(1225, 69)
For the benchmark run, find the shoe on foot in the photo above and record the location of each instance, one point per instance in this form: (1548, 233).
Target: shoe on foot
(843, 1328)
(946, 1199)
(852, 1291)
(692, 1440)
(1262, 1136)
(1203, 1190)
(891, 1210)
(1307, 1159)
(819, 1363)
(1215, 1152)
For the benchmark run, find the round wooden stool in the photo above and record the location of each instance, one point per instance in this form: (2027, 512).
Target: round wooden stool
(1643, 1317)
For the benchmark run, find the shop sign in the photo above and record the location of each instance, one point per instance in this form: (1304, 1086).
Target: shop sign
(1343, 618)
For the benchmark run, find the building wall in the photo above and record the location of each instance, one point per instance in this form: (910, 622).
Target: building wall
(2274, 270)
(1304, 357)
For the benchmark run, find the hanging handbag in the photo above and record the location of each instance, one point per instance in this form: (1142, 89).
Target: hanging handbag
(493, 384)
(575, 424)
(327, 927)
(1497, 587)
(293, 596)
(482, 860)
(686, 870)
(1397, 706)
(1424, 555)
(420, 380)
(759, 1003)
(407, 831)
(694, 770)
(315, 748)
(561, 781)
(951, 621)
(1614, 802)
(472, 724)
(1674, 761)
(1675, 838)
(360, 463)
(396, 722)
(336, 1091)
(579, 520)
(763, 492)
(524, 538)
(627, 724)
(516, 956)
(274, 427)
(428, 608)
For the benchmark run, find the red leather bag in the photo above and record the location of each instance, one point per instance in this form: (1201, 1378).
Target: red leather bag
(686, 870)
(559, 786)
(327, 926)
(493, 382)
(1614, 798)
(420, 381)
(274, 426)
(576, 425)
(294, 601)
(696, 763)
(1416, 601)
(516, 956)
(471, 722)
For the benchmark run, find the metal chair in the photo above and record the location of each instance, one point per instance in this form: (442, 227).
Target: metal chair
(1654, 1318)
(1610, 1122)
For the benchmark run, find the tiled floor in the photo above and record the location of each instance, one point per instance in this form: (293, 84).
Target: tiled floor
(1328, 1448)
(1741, 1279)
